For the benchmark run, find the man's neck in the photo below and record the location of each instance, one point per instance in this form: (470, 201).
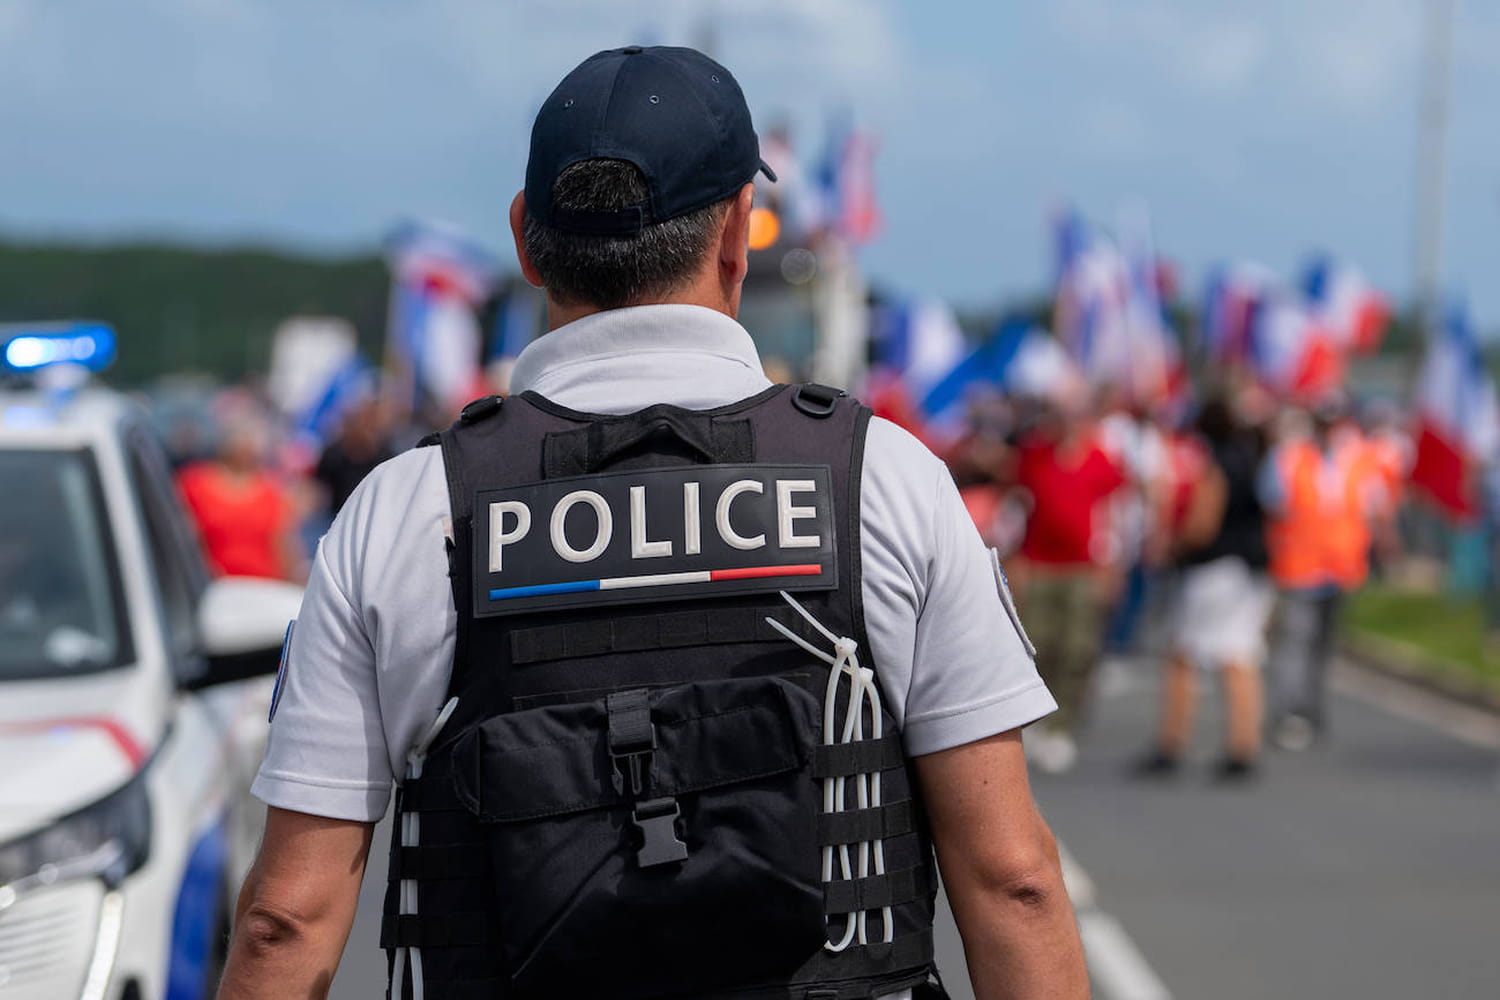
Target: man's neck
(561, 314)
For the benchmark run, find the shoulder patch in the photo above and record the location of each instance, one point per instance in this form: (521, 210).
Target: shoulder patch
(694, 531)
(286, 648)
(1002, 584)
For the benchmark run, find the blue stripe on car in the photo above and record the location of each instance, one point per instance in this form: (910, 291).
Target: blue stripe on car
(195, 920)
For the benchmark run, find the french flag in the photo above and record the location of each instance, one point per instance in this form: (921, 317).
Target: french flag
(916, 344)
(1346, 304)
(1230, 300)
(1092, 300)
(1019, 358)
(441, 278)
(1290, 350)
(350, 383)
(849, 183)
(517, 321)
(1157, 374)
(1458, 422)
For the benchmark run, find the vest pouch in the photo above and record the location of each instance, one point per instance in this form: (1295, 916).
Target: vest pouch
(590, 903)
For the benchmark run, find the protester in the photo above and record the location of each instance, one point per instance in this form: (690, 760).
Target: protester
(1222, 601)
(1322, 490)
(362, 444)
(1391, 454)
(246, 518)
(1063, 574)
(1135, 442)
(983, 463)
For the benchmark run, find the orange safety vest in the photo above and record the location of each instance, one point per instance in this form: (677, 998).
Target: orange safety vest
(1321, 534)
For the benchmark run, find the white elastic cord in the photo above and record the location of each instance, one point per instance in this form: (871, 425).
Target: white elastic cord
(411, 836)
(863, 694)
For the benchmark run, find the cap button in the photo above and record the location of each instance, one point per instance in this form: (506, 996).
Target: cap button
(632, 50)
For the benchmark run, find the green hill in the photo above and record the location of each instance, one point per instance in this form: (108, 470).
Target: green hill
(180, 308)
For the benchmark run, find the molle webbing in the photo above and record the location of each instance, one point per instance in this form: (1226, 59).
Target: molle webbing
(586, 657)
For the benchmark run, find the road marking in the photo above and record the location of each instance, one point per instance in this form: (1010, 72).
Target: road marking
(1115, 964)
(1118, 969)
(1473, 726)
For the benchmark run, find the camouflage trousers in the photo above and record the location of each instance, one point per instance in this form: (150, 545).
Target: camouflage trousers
(1064, 616)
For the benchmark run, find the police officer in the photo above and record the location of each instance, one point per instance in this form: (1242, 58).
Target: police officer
(681, 676)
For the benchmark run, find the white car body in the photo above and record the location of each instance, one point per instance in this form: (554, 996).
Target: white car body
(153, 718)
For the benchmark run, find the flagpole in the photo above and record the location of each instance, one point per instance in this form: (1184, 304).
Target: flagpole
(1432, 128)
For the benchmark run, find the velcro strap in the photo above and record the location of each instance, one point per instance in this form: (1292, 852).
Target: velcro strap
(845, 760)
(434, 930)
(874, 891)
(699, 437)
(855, 825)
(630, 729)
(906, 951)
(442, 862)
(425, 795)
(641, 633)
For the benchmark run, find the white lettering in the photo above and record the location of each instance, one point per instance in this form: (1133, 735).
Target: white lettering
(692, 517)
(721, 515)
(499, 538)
(605, 530)
(639, 547)
(786, 514)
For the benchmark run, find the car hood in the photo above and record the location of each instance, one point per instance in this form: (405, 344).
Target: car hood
(68, 743)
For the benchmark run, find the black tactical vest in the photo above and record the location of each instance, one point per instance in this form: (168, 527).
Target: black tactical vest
(630, 799)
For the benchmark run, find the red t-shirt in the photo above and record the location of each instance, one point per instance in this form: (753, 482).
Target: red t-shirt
(241, 522)
(1061, 528)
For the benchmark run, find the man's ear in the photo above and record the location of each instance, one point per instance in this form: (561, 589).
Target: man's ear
(734, 241)
(518, 231)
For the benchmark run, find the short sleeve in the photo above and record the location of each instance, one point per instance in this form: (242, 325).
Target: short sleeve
(945, 645)
(326, 753)
(371, 653)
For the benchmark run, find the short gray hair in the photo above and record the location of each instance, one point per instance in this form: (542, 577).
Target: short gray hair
(614, 271)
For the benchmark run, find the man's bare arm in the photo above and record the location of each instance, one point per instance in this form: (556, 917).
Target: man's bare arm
(1001, 872)
(296, 908)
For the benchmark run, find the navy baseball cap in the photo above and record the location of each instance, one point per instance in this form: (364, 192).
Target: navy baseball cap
(673, 112)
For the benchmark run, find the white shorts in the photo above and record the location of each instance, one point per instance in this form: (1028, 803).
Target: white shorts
(1222, 608)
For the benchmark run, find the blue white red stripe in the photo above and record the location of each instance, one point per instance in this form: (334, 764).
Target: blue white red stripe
(655, 580)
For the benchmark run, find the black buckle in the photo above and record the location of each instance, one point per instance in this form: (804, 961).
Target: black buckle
(632, 741)
(657, 821)
(632, 737)
(817, 400)
(477, 409)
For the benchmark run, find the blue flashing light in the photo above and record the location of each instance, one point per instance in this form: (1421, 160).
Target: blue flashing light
(33, 347)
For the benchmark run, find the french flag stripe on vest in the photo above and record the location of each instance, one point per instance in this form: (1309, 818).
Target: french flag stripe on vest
(656, 580)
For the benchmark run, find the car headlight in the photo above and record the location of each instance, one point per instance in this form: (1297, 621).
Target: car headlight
(107, 840)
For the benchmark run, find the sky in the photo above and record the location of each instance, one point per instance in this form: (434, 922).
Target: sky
(1262, 132)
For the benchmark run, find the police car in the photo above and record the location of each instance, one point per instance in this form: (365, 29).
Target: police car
(133, 695)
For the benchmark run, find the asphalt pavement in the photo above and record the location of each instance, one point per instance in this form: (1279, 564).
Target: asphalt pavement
(1366, 868)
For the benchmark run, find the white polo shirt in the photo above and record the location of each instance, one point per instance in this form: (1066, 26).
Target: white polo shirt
(370, 656)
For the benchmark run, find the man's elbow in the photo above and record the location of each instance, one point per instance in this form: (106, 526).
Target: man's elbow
(266, 931)
(1027, 876)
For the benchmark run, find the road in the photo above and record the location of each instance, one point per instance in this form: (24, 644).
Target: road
(1368, 868)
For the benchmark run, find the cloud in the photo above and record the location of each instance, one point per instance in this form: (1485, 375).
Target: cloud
(326, 116)
(1351, 55)
(166, 55)
(1216, 50)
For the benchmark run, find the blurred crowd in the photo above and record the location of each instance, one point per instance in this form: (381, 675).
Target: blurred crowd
(1223, 544)
(260, 496)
